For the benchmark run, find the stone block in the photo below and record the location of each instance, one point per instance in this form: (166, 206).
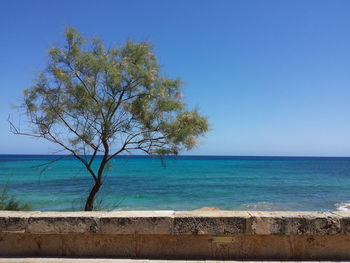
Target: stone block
(210, 223)
(63, 223)
(137, 222)
(294, 223)
(15, 222)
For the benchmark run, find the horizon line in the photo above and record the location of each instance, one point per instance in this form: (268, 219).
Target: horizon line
(190, 155)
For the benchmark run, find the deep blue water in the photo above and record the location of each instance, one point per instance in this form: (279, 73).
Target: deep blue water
(187, 182)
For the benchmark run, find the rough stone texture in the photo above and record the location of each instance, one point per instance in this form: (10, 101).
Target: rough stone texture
(133, 222)
(181, 235)
(14, 222)
(296, 223)
(211, 222)
(177, 223)
(63, 223)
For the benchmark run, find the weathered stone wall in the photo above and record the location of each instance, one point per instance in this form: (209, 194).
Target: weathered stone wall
(182, 235)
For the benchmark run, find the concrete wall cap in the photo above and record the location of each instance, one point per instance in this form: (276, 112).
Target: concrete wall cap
(177, 223)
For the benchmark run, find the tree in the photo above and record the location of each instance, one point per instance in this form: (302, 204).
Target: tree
(92, 101)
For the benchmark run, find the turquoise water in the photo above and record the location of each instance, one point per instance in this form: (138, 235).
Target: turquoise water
(187, 182)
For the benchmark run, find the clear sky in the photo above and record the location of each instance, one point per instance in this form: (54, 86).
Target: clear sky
(273, 77)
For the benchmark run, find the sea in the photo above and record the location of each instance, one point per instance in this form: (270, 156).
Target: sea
(182, 183)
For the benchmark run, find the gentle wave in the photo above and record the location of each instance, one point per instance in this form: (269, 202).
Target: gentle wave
(343, 206)
(261, 206)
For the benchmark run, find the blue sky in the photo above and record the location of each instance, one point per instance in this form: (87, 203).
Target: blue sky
(273, 77)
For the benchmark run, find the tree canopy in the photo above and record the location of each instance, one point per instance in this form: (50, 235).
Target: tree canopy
(94, 100)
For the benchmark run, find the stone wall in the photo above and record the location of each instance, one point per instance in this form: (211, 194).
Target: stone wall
(177, 235)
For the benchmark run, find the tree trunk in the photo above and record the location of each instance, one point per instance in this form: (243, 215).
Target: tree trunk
(89, 205)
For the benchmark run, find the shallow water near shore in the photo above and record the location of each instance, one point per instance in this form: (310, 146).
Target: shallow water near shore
(185, 183)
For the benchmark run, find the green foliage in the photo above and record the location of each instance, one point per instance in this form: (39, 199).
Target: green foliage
(90, 92)
(91, 99)
(8, 202)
